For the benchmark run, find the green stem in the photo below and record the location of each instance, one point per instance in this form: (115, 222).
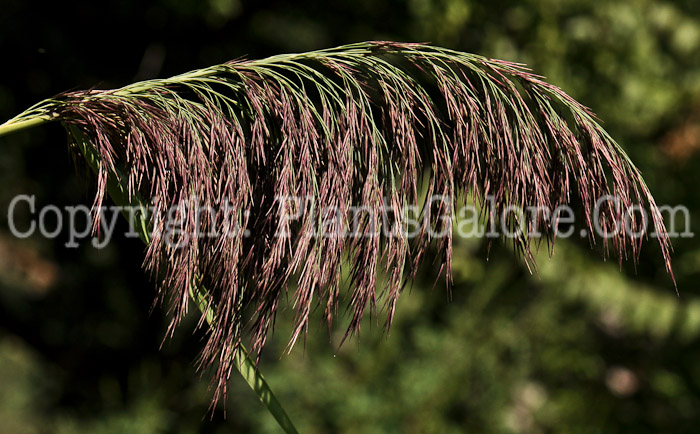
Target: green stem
(256, 381)
(116, 187)
(16, 125)
(246, 367)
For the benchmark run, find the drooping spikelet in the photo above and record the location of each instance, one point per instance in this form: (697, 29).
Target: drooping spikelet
(355, 126)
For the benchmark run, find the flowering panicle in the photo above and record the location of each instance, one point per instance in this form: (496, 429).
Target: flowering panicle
(355, 126)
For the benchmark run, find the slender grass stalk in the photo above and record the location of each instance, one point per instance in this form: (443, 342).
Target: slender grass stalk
(246, 366)
(11, 127)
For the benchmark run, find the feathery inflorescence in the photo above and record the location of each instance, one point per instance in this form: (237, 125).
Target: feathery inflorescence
(375, 126)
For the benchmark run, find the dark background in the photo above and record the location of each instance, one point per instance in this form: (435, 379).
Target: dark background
(582, 346)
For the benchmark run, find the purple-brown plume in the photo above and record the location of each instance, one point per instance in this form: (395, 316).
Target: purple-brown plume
(372, 125)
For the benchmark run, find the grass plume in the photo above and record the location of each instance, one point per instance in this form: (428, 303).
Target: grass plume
(356, 125)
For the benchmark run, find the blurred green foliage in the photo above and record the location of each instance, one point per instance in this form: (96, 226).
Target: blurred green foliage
(581, 346)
